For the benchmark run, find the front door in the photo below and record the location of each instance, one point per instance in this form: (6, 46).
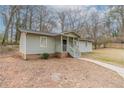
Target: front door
(64, 45)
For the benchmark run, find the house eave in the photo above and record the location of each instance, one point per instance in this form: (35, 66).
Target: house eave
(37, 33)
(86, 40)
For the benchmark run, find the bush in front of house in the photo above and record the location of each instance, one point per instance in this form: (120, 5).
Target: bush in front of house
(10, 49)
(45, 55)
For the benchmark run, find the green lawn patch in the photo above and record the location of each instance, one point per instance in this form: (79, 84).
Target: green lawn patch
(112, 56)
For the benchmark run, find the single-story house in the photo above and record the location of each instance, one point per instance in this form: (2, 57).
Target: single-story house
(60, 44)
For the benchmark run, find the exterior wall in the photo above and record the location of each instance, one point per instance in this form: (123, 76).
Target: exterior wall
(33, 45)
(30, 44)
(83, 47)
(58, 44)
(22, 45)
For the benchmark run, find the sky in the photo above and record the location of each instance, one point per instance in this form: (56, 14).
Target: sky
(99, 8)
(64, 7)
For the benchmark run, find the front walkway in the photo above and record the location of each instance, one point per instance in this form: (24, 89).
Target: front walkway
(117, 69)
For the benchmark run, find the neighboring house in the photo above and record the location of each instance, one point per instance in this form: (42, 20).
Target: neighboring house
(60, 44)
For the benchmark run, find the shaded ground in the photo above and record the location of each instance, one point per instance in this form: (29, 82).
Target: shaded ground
(67, 72)
(107, 55)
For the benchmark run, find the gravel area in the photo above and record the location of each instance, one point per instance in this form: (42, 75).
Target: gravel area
(55, 72)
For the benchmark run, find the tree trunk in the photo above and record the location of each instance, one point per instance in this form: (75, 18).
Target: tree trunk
(41, 23)
(30, 23)
(104, 45)
(95, 46)
(13, 11)
(7, 29)
(17, 28)
(12, 32)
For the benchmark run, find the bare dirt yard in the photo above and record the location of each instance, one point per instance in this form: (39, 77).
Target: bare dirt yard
(108, 55)
(55, 72)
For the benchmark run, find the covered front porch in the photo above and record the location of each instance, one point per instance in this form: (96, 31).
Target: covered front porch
(69, 44)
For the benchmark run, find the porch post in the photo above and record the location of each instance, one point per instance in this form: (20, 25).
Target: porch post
(73, 46)
(73, 41)
(78, 42)
(61, 45)
(25, 54)
(67, 43)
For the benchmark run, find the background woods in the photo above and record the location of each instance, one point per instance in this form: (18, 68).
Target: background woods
(102, 25)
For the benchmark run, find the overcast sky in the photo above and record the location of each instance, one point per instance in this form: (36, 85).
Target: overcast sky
(64, 7)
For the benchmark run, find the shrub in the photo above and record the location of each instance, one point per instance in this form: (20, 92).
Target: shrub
(45, 55)
(10, 49)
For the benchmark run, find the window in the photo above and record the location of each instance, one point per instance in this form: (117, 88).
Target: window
(43, 41)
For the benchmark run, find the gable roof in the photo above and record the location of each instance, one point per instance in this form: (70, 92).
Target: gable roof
(70, 32)
(52, 34)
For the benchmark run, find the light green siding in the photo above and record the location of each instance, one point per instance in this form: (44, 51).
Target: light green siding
(85, 46)
(33, 45)
(30, 44)
(58, 44)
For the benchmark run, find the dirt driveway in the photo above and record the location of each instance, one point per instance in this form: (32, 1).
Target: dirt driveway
(67, 72)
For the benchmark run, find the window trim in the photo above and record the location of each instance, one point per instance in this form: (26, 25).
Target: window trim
(42, 37)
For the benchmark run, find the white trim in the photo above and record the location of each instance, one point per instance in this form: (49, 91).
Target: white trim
(61, 44)
(25, 43)
(67, 43)
(43, 46)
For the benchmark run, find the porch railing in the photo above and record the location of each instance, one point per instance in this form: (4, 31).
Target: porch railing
(74, 51)
(77, 52)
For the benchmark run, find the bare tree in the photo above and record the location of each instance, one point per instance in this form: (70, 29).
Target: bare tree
(89, 24)
(12, 13)
(117, 16)
(62, 16)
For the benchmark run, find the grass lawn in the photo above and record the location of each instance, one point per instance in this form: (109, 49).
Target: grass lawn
(108, 55)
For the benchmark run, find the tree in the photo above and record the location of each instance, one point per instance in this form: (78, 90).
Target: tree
(117, 16)
(90, 24)
(62, 20)
(12, 13)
